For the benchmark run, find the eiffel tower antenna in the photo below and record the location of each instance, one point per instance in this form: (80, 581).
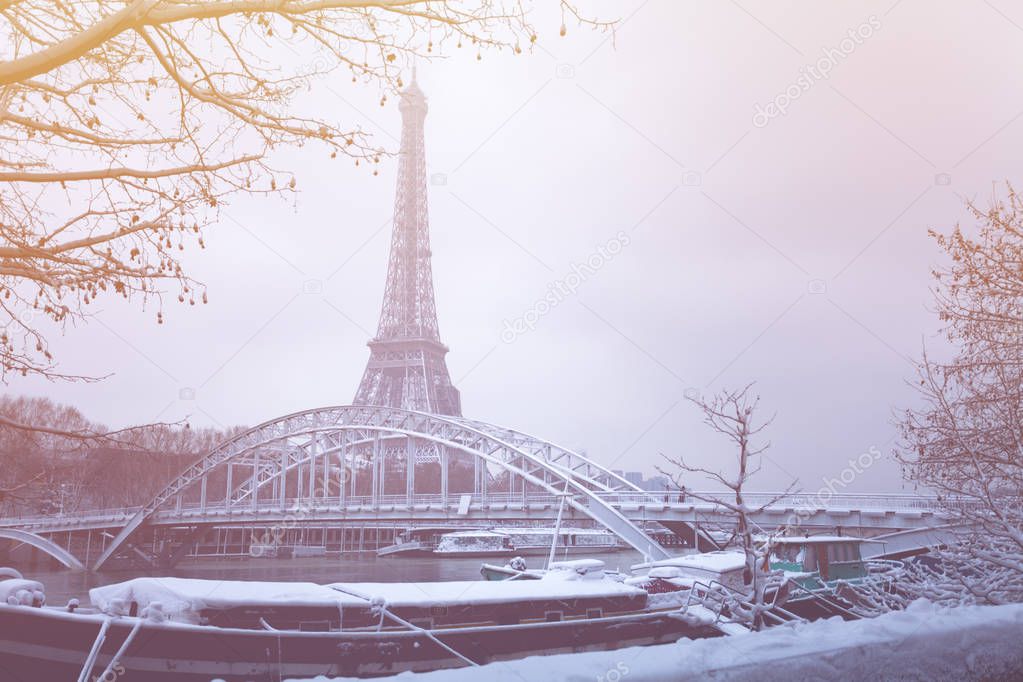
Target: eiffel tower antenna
(406, 367)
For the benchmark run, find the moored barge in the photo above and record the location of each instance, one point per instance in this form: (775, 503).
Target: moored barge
(163, 629)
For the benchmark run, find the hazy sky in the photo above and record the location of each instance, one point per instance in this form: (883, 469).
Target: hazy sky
(791, 250)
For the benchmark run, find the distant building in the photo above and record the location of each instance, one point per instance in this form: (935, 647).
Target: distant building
(657, 484)
(635, 478)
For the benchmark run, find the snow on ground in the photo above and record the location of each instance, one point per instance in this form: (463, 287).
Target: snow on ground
(924, 642)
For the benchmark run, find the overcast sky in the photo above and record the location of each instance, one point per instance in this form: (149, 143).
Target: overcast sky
(790, 250)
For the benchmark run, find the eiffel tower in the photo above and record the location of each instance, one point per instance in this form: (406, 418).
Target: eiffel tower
(406, 366)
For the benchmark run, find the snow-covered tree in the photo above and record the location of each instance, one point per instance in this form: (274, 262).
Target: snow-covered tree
(966, 440)
(732, 414)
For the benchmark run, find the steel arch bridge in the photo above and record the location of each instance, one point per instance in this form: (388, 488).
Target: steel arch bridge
(42, 544)
(319, 455)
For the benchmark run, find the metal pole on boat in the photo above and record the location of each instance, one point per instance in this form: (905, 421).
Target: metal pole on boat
(557, 528)
(90, 660)
(120, 652)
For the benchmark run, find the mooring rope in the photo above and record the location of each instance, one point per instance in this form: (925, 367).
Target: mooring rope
(385, 611)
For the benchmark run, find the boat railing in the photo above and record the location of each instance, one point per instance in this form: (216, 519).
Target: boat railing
(721, 596)
(821, 595)
(883, 566)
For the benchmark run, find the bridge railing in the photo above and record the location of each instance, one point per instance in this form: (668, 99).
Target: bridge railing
(852, 502)
(625, 501)
(349, 501)
(70, 519)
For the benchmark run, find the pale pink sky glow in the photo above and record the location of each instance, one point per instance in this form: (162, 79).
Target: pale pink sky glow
(793, 253)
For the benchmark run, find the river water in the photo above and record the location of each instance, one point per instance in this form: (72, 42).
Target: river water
(63, 585)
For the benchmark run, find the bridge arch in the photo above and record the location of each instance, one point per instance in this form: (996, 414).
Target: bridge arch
(321, 441)
(42, 544)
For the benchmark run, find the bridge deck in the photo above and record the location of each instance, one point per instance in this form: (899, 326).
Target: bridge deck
(880, 511)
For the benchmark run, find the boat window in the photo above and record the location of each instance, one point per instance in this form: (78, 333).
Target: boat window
(843, 552)
(314, 626)
(836, 553)
(594, 613)
(789, 554)
(438, 611)
(553, 616)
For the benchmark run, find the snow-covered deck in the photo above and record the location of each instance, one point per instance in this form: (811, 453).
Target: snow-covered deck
(924, 642)
(184, 598)
(709, 562)
(461, 592)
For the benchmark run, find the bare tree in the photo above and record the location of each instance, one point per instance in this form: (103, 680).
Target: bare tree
(966, 440)
(126, 125)
(732, 414)
(67, 460)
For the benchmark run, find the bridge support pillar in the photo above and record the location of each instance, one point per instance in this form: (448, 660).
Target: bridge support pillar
(313, 454)
(255, 478)
(444, 475)
(410, 470)
(229, 485)
(282, 487)
(375, 472)
(326, 469)
(382, 474)
(354, 472)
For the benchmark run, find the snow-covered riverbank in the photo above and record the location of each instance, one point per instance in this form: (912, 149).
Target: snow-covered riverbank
(922, 643)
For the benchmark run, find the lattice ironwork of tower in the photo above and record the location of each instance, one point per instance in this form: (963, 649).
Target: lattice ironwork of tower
(406, 367)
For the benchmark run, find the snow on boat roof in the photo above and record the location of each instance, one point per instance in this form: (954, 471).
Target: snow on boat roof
(487, 592)
(814, 539)
(550, 531)
(187, 595)
(526, 531)
(476, 533)
(713, 562)
(576, 564)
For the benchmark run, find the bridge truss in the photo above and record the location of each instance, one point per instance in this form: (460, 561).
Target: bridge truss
(327, 455)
